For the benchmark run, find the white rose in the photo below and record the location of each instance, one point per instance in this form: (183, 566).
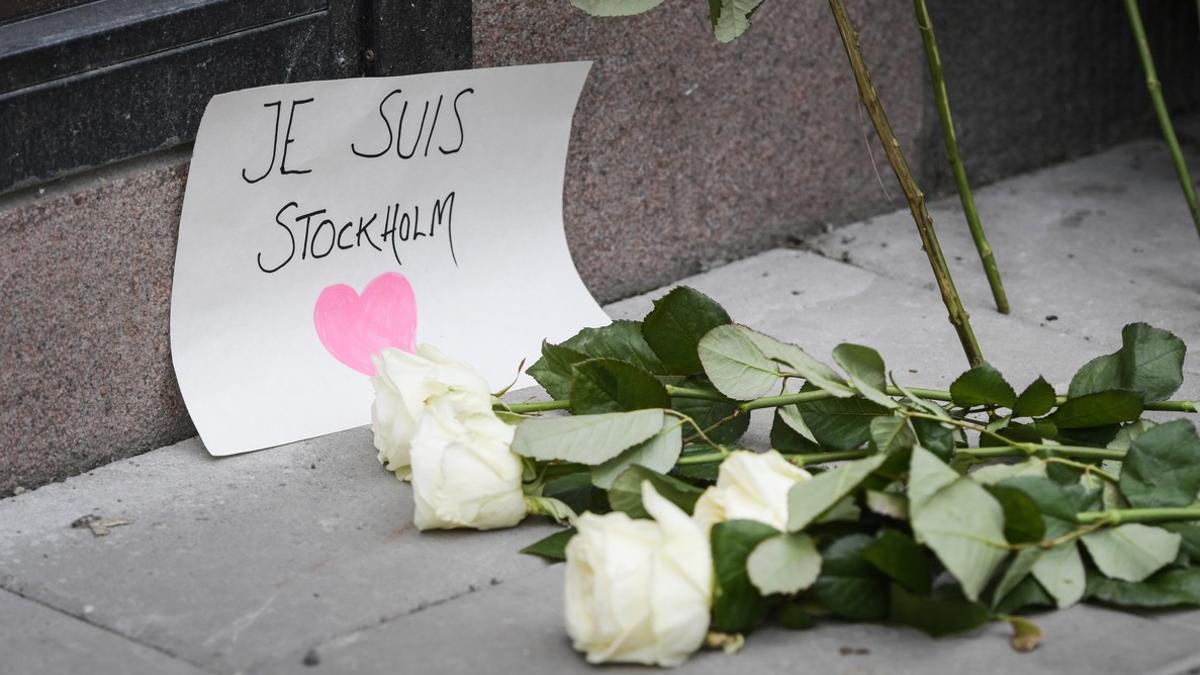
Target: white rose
(463, 472)
(639, 591)
(751, 486)
(404, 383)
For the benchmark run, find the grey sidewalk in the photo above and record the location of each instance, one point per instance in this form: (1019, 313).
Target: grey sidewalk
(261, 562)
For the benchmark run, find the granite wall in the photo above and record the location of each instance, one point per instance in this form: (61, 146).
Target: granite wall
(685, 154)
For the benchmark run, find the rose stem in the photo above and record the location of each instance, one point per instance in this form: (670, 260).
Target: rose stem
(956, 165)
(1160, 108)
(916, 199)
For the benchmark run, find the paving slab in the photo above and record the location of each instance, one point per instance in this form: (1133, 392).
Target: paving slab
(518, 628)
(227, 562)
(1083, 247)
(37, 639)
(249, 563)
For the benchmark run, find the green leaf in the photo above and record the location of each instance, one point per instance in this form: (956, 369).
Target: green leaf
(1023, 522)
(1190, 538)
(737, 604)
(735, 364)
(1016, 573)
(577, 492)
(1027, 594)
(791, 416)
(555, 369)
(901, 559)
(936, 615)
(890, 433)
(674, 327)
(956, 518)
(586, 439)
(887, 504)
(934, 437)
(1060, 571)
(795, 361)
(850, 586)
(1162, 467)
(982, 385)
(1132, 552)
(865, 368)
(608, 385)
(787, 563)
(1169, 588)
(731, 18)
(808, 499)
(794, 616)
(659, 454)
(841, 423)
(784, 436)
(625, 495)
(1128, 433)
(1098, 410)
(718, 417)
(553, 547)
(1149, 362)
(994, 473)
(1037, 399)
(1059, 502)
(621, 340)
(616, 7)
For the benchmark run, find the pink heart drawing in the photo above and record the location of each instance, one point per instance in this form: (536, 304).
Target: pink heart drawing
(353, 327)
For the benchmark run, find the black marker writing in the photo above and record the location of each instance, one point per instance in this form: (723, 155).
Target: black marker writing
(318, 234)
(395, 128)
(275, 143)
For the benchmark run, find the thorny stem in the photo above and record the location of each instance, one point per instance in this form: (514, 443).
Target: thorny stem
(956, 165)
(797, 459)
(1151, 515)
(1160, 109)
(916, 199)
(802, 397)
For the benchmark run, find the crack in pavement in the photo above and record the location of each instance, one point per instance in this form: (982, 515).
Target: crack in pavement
(106, 629)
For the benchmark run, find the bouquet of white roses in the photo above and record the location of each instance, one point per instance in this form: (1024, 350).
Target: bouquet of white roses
(942, 510)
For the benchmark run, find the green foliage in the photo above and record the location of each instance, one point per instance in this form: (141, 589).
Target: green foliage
(1037, 399)
(1023, 522)
(1149, 362)
(899, 498)
(957, 519)
(658, 454)
(785, 563)
(1170, 588)
(608, 385)
(674, 327)
(809, 499)
(556, 369)
(735, 364)
(1132, 552)
(625, 495)
(901, 559)
(1162, 467)
(937, 615)
(731, 18)
(586, 439)
(737, 605)
(1098, 410)
(850, 586)
(866, 370)
(840, 423)
(982, 385)
(616, 7)
(553, 547)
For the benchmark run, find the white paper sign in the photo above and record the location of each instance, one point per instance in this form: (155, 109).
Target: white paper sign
(325, 220)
